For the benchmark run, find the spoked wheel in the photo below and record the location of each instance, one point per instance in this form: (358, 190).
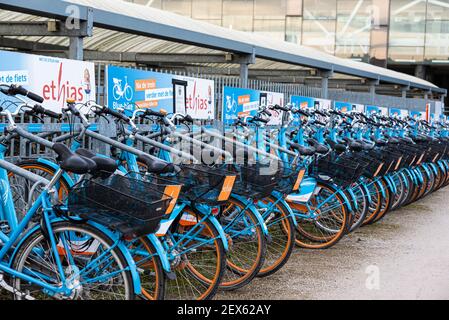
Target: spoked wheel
(323, 221)
(150, 268)
(247, 244)
(363, 207)
(281, 228)
(94, 269)
(25, 192)
(197, 256)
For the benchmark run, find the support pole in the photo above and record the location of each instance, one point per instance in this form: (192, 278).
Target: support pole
(372, 90)
(244, 61)
(244, 74)
(76, 48)
(325, 75)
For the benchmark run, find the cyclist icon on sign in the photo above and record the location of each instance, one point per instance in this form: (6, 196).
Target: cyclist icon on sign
(119, 93)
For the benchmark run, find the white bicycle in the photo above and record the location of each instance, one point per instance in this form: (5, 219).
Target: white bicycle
(119, 92)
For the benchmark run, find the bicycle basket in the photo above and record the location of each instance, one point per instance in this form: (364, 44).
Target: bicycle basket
(343, 172)
(130, 206)
(202, 184)
(290, 180)
(257, 180)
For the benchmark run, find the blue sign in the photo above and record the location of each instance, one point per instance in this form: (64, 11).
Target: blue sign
(372, 109)
(131, 88)
(239, 102)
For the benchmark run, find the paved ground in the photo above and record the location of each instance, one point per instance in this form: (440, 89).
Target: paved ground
(406, 256)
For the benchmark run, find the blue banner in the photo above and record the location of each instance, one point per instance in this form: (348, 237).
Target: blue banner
(239, 102)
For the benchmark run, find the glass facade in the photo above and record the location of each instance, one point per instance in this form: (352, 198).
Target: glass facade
(369, 30)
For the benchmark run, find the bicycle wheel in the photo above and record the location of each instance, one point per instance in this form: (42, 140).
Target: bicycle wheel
(197, 256)
(25, 192)
(328, 225)
(152, 276)
(94, 267)
(281, 228)
(152, 272)
(247, 244)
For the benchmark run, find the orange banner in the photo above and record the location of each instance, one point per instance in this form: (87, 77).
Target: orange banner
(142, 85)
(244, 99)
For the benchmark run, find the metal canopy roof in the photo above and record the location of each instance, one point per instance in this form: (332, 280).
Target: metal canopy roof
(124, 27)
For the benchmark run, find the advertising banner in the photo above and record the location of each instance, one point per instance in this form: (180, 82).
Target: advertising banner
(271, 99)
(418, 115)
(131, 88)
(310, 102)
(371, 109)
(349, 107)
(398, 113)
(239, 102)
(55, 79)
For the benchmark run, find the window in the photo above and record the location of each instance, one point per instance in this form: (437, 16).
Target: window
(206, 9)
(274, 29)
(293, 29)
(294, 7)
(406, 54)
(353, 23)
(438, 10)
(437, 40)
(269, 9)
(320, 9)
(238, 14)
(407, 23)
(319, 34)
(182, 7)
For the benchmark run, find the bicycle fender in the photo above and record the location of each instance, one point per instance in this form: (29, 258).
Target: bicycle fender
(367, 193)
(353, 198)
(418, 175)
(346, 200)
(160, 251)
(434, 167)
(426, 169)
(405, 179)
(442, 167)
(256, 213)
(282, 201)
(221, 232)
(391, 184)
(381, 187)
(412, 176)
(56, 167)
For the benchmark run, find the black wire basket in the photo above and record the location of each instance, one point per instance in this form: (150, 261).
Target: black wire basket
(130, 206)
(257, 180)
(201, 183)
(290, 180)
(343, 172)
(374, 168)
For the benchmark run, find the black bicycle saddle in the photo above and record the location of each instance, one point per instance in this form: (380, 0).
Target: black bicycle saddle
(304, 151)
(320, 148)
(338, 147)
(156, 165)
(106, 165)
(72, 162)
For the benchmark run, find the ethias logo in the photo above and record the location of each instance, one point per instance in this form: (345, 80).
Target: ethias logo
(62, 89)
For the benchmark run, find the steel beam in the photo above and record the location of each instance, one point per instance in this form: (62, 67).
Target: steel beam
(51, 28)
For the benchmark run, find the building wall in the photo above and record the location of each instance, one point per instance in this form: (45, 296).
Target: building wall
(404, 31)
